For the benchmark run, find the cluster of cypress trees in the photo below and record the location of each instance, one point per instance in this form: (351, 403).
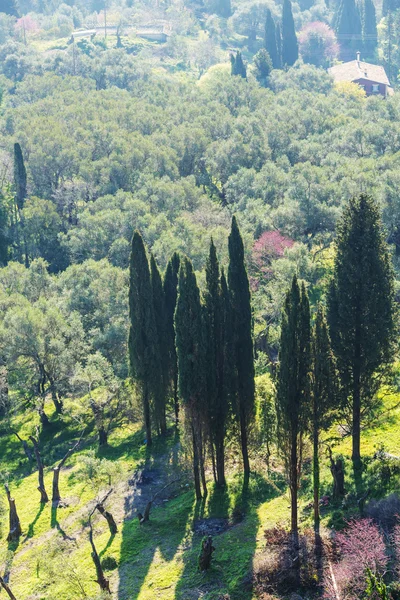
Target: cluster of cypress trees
(237, 65)
(281, 41)
(335, 372)
(194, 347)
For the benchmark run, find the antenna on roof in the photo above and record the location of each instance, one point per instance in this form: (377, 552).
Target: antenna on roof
(358, 56)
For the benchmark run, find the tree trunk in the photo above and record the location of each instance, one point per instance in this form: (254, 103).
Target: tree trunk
(109, 518)
(163, 422)
(293, 484)
(213, 462)
(43, 494)
(196, 473)
(58, 404)
(101, 579)
(205, 557)
(201, 463)
(146, 410)
(44, 419)
(14, 522)
(220, 458)
(316, 474)
(103, 437)
(245, 451)
(56, 490)
(176, 401)
(5, 587)
(337, 470)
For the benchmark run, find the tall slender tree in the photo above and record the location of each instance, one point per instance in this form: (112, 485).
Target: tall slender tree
(270, 41)
(191, 363)
(19, 177)
(217, 326)
(361, 309)
(290, 48)
(143, 343)
(323, 395)
(243, 359)
(161, 387)
(293, 388)
(349, 29)
(369, 29)
(237, 65)
(170, 295)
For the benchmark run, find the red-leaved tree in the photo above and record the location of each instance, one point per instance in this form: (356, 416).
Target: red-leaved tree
(269, 246)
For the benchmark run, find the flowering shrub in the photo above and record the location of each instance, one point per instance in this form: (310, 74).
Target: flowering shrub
(269, 246)
(317, 43)
(361, 549)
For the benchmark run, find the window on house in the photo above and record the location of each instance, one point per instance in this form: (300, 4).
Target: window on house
(375, 88)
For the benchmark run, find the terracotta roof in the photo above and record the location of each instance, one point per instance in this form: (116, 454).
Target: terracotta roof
(357, 69)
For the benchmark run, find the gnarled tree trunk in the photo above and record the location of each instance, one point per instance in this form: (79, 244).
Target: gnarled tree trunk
(15, 525)
(56, 472)
(101, 578)
(206, 552)
(41, 487)
(6, 588)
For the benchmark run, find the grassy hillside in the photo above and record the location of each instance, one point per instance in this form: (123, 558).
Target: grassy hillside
(157, 559)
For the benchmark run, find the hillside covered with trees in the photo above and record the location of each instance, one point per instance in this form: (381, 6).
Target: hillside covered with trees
(199, 288)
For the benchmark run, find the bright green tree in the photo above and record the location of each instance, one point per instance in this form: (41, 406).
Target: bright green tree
(290, 48)
(293, 388)
(243, 359)
(170, 285)
(361, 309)
(143, 343)
(270, 41)
(190, 349)
(324, 395)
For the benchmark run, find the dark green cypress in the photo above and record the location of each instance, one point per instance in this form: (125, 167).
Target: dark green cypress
(8, 7)
(262, 66)
(348, 29)
(290, 48)
(370, 32)
(170, 296)
(191, 360)
(389, 6)
(324, 394)
(293, 387)
(160, 398)
(224, 8)
(143, 343)
(4, 231)
(270, 41)
(19, 177)
(216, 355)
(361, 310)
(237, 65)
(243, 343)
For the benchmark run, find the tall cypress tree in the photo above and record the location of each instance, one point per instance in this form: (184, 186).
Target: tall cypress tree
(170, 295)
(369, 29)
(349, 29)
(143, 344)
(237, 65)
(290, 48)
(224, 8)
(191, 361)
(293, 386)
(324, 395)
(270, 41)
(217, 330)
(243, 343)
(19, 177)
(361, 309)
(161, 326)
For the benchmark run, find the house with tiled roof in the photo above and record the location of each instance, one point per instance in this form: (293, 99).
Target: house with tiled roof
(372, 78)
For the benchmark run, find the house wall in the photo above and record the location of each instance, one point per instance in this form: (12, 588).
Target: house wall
(367, 85)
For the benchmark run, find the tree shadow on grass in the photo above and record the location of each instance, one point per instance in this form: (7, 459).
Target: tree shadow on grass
(54, 523)
(107, 546)
(165, 531)
(231, 567)
(12, 548)
(31, 527)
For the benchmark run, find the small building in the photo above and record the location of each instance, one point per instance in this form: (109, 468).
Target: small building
(80, 35)
(154, 33)
(372, 78)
